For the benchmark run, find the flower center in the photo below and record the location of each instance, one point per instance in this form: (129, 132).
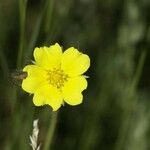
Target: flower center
(57, 77)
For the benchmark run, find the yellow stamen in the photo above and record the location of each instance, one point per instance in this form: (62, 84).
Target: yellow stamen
(57, 77)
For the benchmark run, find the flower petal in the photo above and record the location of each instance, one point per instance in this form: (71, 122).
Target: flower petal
(47, 94)
(75, 63)
(36, 77)
(48, 57)
(73, 99)
(35, 71)
(31, 84)
(72, 90)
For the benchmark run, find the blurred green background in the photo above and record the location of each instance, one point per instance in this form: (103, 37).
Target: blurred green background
(115, 113)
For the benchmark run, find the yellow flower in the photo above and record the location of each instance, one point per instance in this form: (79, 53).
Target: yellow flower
(56, 76)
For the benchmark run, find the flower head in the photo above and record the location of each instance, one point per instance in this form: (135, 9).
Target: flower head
(56, 76)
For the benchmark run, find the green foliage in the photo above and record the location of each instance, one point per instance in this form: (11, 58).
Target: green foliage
(115, 114)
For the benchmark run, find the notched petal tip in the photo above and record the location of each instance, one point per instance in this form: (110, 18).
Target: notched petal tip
(37, 100)
(48, 95)
(75, 63)
(54, 107)
(84, 60)
(56, 44)
(57, 48)
(74, 99)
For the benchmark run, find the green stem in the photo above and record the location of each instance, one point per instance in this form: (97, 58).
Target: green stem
(139, 69)
(45, 15)
(22, 12)
(49, 13)
(123, 132)
(3, 62)
(51, 130)
(34, 36)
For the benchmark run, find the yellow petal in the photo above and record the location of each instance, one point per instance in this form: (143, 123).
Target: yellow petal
(74, 63)
(36, 77)
(48, 57)
(35, 71)
(72, 90)
(31, 84)
(74, 99)
(47, 94)
(78, 83)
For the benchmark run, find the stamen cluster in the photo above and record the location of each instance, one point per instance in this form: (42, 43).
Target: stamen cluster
(57, 77)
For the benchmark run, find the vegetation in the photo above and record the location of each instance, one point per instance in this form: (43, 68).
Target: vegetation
(115, 113)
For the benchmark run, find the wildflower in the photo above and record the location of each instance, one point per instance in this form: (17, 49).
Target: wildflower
(56, 76)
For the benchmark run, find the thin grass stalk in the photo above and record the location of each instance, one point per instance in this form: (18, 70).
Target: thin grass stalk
(49, 13)
(36, 30)
(45, 14)
(3, 62)
(22, 16)
(139, 69)
(51, 131)
(34, 36)
(48, 20)
(128, 112)
(22, 13)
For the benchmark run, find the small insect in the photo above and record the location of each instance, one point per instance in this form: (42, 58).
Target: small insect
(18, 76)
